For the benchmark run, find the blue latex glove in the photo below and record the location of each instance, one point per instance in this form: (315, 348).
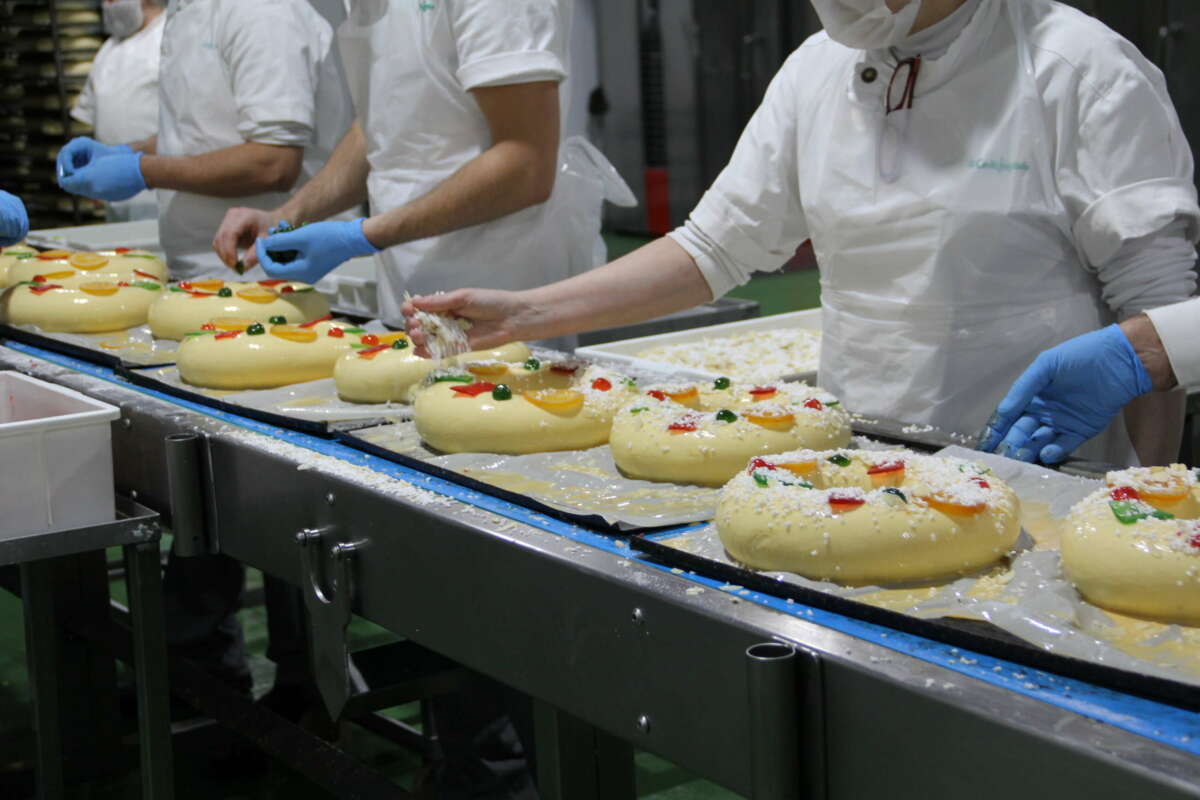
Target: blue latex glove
(14, 222)
(309, 253)
(1068, 395)
(113, 177)
(83, 150)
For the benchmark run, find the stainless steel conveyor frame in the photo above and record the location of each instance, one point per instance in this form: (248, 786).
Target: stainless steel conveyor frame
(618, 653)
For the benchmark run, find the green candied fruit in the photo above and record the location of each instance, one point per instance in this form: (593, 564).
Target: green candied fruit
(1162, 515)
(224, 291)
(502, 392)
(1127, 512)
(839, 459)
(532, 364)
(761, 479)
(355, 331)
(278, 319)
(896, 493)
(637, 410)
(453, 379)
(176, 289)
(149, 286)
(200, 333)
(975, 468)
(256, 329)
(400, 344)
(833, 403)
(725, 415)
(721, 383)
(630, 383)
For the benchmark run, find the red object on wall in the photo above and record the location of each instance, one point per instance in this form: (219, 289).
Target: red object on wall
(658, 201)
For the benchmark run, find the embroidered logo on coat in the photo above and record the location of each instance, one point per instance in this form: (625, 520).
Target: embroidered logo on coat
(427, 5)
(998, 165)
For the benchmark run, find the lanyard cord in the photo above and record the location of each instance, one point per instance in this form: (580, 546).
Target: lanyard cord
(910, 85)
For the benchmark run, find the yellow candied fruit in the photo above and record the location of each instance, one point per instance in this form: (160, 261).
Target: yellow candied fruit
(54, 255)
(800, 468)
(231, 323)
(952, 508)
(257, 294)
(556, 401)
(87, 261)
(99, 288)
(689, 397)
(484, 370)
(54, 276)
(294, 333)
(780, 421)
(206, 285)
(391, 338)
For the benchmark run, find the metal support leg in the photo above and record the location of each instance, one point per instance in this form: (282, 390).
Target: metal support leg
(784, 693)
(42, 656)
(577, 762)
(150, 664)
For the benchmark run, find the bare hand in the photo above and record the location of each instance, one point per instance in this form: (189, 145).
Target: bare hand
(240, 229)
(497, 317)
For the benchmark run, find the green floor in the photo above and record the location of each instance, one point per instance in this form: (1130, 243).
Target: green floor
(776, 293)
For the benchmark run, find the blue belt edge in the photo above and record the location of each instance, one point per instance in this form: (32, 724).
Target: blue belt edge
(1165, 724)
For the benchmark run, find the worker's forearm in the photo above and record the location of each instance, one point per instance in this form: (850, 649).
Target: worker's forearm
(1140, 332)
(147, 146)
(506, 178)
(341, 183)
(657, 279)
(240, 171)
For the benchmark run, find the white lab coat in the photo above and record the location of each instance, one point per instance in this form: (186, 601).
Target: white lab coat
(1038, 145)
(422, 124)
(120, 102)
(1178, 327)
(233, 72)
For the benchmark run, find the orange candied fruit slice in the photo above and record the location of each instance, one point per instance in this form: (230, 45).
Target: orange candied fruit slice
(207, 285)
(952, 508)
(54, 276)
(100, 288)
(1164, 487)
(257, 294)
(773, 420)
(87, 261)
(558, 401)
(487, 370)
(54, 255)
(800, 468)
(391, 338)
(689, 397)
(231, 323)
(294, 333)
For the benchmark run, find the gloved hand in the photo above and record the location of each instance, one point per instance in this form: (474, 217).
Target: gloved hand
(83, 150)
(112, 177)
(14, 222)
(1068, 395)
(312, 251)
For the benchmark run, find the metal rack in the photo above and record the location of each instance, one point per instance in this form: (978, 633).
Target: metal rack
(44, 63)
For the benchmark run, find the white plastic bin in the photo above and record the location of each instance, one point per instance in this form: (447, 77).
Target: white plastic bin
(55, 456)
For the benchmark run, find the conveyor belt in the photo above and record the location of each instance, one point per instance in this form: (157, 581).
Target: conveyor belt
(1159, 722)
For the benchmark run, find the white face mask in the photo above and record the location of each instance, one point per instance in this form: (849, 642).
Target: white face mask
(122, 18)
(866, 24)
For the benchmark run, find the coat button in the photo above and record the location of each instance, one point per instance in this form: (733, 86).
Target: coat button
(869, 75)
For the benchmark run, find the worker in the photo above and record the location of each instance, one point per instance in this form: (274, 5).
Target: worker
(14, 222)
(980, 180)
(1072, 391)
(252, 100)
(462, 192)
(120, 98)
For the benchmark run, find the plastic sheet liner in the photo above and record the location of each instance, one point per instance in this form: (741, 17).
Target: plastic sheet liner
(1028, 597)
(135, 346)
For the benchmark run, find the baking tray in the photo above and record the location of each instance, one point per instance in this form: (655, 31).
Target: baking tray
(147, 379)
(140, 235)
(976, 636)
(351, 438)
(626, 351)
